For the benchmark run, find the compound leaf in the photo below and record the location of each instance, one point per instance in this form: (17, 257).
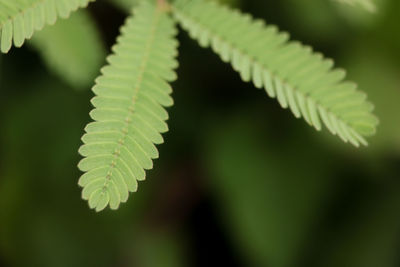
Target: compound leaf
(129, 116)
(297, 77)
(20, 18)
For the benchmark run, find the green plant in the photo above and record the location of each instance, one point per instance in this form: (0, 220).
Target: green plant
(133, 89)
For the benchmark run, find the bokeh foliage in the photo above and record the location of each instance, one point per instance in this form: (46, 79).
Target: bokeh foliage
(238, 183)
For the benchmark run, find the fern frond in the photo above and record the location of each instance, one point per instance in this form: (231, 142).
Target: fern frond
(300, 79)
(129, 115)
(20, 18)
(72, 48)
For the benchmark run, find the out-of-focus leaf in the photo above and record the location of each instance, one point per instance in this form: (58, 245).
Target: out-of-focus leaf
(72, 49)
(125, 4)
(357, 17)
(311, 20)
(366, 4)
(269, 195)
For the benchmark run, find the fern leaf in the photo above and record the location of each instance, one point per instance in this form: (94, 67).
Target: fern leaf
(297, 77)
(72, 49)
(20, 18)
(129, 115)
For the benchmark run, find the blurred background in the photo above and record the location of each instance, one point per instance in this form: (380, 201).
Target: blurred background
(239, 181)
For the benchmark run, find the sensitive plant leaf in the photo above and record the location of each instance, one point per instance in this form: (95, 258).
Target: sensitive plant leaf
(297, 77)
(129, 116)
(128, 4)
(72, 48)
(20, 18)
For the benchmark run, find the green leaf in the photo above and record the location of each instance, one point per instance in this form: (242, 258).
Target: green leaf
(299, 78)
(129, 117)
(19, 18)
(72, 48)
(266, 198)
(366, 4)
